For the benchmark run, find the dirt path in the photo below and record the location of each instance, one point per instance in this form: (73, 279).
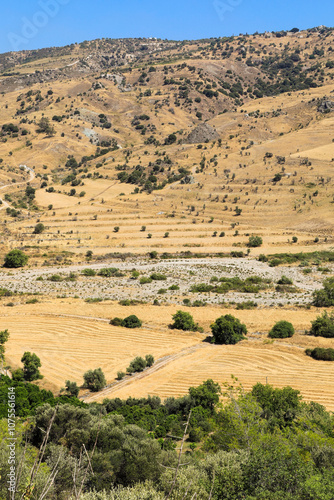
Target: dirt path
(161, 363)
(5, 204)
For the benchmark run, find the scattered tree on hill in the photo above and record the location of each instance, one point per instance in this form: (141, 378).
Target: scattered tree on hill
(94, 380)
(228, 330)
(282, 330)
(323, 326)
(45, 127)
(39, 228)
(31, 365)
(15, 258)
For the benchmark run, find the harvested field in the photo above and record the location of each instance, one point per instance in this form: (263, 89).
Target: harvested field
(251, 362)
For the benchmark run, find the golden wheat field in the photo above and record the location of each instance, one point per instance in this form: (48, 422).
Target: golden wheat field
(71, 337)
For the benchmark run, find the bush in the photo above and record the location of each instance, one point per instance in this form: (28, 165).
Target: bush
(228, 330)
(15, 258)
(132, 322)
(321, 353)
(158, 277)
(137, 365)
(39, 228)
(324, 297)
(149, 360)
(88, 272)
(144, 280)
(281, 330)
(116, 321)
(71, 388)
(254, 241)
(323, 326)
(184, 321)
(284, 281)
(120, 375)
(94, 380)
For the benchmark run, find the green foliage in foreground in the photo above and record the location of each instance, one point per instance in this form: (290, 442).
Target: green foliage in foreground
(263, 445)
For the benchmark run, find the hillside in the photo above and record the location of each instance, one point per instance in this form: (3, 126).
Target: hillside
(180, 137)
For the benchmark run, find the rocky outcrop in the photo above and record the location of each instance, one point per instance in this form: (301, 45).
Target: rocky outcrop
(326, 106)
(202, 133)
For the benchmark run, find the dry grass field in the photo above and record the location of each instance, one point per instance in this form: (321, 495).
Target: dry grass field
(71, 337)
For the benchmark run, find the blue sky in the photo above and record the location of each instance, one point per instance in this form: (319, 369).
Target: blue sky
(32, 24)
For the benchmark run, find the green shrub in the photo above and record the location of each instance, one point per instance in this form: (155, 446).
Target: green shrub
(184, 321)
(137, 365)
(120, 375)
(254, 241)
(39, 228)
(116, 321)
(321, 353)
(132, 322)
(158, 277)
(282, 330)
(174, 287)
(88, 272)
(108, 272)
(228, 330)
(325, 297)
(284, 281)
(144, 280)
(15, 258)
(149, 360)
(248, 304)
(55, 278)
(323, 326)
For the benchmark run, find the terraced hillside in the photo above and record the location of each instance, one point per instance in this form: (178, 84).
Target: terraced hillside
(190, 140)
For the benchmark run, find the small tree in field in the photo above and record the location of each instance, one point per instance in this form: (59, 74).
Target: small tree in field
(323, 326)
(31, 365)
(94, 380)
(228, 330)
(282, 330)
(15, 258)
(39, 228)
(149, 360)
(184, 321)
(254, 241)
(71, 388)
(131, 322)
